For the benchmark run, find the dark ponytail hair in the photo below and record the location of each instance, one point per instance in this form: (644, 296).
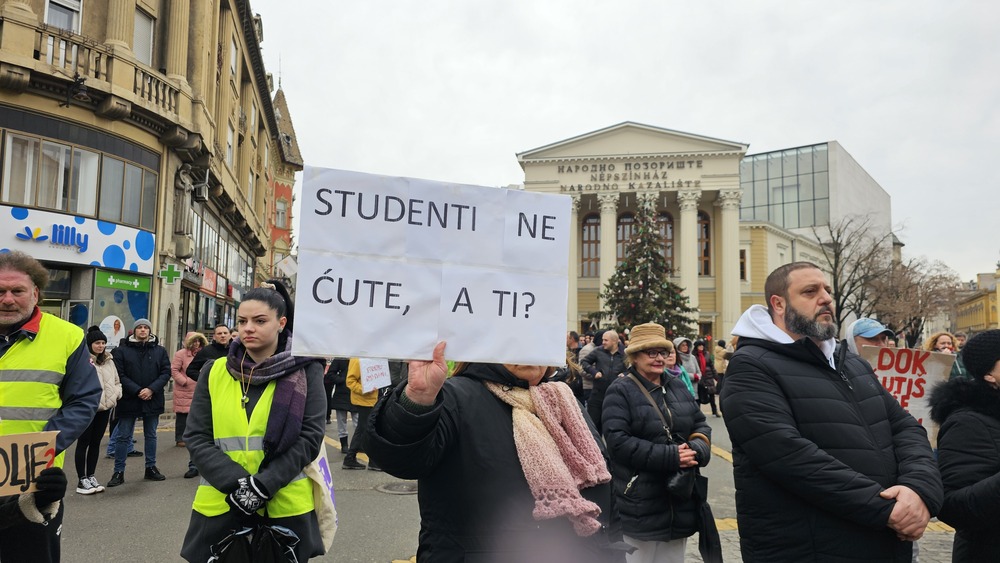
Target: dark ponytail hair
(275, 295)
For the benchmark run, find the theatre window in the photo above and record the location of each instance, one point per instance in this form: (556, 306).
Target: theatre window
(704, 245)
(591, 247)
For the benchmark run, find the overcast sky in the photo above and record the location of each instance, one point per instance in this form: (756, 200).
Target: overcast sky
(451, 90)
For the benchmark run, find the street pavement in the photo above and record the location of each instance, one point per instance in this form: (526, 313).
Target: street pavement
(146, 521)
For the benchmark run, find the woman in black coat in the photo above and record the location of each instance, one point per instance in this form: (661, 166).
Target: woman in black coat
(968, 411)
(489, 491)
(644, 456)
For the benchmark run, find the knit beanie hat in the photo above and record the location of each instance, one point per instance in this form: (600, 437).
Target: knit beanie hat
(981, 353)
(94, 334)
(139, 322)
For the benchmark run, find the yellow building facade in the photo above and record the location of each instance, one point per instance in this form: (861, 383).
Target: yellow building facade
(147, 128)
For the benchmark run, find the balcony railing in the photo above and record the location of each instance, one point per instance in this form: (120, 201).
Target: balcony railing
(71, 55)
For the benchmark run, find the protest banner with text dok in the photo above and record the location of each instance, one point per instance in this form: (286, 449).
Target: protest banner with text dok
(390, 266)
(909, 375)
(22, 458)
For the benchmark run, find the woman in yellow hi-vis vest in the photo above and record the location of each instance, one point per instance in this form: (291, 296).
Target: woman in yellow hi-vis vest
(257, 420)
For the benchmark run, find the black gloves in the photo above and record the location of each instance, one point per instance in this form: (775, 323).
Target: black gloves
(51, 485)
(249, 497)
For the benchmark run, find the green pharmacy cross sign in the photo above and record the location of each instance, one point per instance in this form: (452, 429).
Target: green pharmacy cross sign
(170, 273)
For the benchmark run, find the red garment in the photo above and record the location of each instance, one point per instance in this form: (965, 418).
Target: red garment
(700, 354)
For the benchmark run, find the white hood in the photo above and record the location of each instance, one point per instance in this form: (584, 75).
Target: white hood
(756, 323)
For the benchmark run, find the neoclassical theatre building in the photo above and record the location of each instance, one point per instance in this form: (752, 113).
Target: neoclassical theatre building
(727, 219)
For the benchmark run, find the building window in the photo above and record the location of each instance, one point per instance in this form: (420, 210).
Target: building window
(623, 234)
(230, 135)
(281, 214)
(665, 223)
(704, 244)
(789, 188)
(234, 56)
(127, 194)
(142, 37)
(250, 189)
(743, 264)
(591, 258)
(64, 14)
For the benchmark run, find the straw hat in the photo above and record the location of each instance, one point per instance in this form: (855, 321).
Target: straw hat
(646, 336)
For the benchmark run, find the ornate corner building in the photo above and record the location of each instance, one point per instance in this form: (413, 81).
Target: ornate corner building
(727, 218)
(140, 152)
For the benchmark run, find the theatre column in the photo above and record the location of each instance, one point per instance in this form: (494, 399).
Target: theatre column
(609, 228)
(688, 248)
(573, 309)
(728, 275)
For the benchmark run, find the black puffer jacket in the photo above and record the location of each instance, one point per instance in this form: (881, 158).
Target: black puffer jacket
(337, 374)
(639, 450)
(609, 366)
(475, 504)
(141, 365)
(969, 458)
(812, 449)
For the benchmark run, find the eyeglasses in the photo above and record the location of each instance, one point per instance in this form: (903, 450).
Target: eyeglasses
(652, 354)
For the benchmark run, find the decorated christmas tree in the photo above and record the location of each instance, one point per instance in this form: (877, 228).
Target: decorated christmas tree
(640, 291)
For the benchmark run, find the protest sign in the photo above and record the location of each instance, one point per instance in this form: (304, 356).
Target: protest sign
(909, 375)
(374, 374)
(390, 266)
(22, 458)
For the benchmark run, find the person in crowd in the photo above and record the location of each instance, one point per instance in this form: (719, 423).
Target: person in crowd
(217, 348)
(827, 465)
(968, 410)
(604, 364)
(868, 332)
(707, 382)
(944, 342)
(539, 486)
(256, 422)
(340, 401)
(573, 344)
(328, 386)
(685, 357)
(960, 338)
(571, 374)
(675, 369)
(722, 354)
(184, 389)
(363, 403)
(46, 383)
(88, 445)
(594, 340)
(144, 369)
(644, 454)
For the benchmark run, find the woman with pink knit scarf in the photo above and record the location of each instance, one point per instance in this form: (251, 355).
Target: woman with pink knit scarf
(654, 429)
(509, 466)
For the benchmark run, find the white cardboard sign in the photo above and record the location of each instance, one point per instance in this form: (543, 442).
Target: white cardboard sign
(374, 374)
(909, 375)
(390, 266)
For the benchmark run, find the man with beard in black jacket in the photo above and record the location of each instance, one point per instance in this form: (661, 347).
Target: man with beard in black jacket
(604, 364)
(827, 465)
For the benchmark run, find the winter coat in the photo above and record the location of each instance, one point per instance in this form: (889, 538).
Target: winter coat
(687, 359)
(643, 458)
(969, 458)
(110, 383)
(475, 504)
(813, 447)
(337, 374)
(219, 469)
(183, 385)
(707, 382)
(206, 355)
(722, 355)
(610, 366)
(141, 365)
(358, 397)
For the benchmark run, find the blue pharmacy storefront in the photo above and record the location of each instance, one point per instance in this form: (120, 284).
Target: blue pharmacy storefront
(100, 273)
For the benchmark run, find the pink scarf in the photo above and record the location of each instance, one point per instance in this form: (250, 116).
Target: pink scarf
(558, 453)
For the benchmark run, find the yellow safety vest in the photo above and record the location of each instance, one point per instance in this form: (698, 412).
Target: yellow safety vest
(243, 442)
(31, 373)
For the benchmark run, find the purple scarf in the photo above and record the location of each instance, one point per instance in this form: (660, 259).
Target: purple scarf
(284, 423)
